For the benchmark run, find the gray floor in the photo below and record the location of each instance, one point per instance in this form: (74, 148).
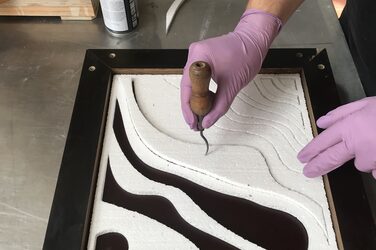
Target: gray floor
(40, 65)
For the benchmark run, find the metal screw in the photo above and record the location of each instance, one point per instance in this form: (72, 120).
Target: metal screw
(112, 55)
(91, 68)
(299, 55)
(321, 66)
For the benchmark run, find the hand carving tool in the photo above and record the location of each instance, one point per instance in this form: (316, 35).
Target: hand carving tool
(201, 98)
(172, 12)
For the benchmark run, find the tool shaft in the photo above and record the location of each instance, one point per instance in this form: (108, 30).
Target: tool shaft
(201, 129)
(205, 140)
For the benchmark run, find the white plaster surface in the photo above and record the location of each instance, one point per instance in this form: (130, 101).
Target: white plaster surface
(252, 155)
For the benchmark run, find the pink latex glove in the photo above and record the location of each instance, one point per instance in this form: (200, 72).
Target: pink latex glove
(350, 132)
(234, 59)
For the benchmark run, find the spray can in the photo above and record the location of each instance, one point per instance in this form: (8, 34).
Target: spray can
(120, 16)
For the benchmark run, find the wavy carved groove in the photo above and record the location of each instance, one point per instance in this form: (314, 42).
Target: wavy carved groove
(266, 227)
(159, 209)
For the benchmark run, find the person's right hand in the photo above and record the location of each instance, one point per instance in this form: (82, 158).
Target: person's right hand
(235, 59)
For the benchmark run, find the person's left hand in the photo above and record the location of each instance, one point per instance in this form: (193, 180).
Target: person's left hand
(350, 132)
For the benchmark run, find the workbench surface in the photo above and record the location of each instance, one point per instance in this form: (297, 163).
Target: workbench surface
(40, 66)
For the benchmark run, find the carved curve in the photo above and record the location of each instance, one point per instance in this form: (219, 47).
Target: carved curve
(160, 209)
(252, 221)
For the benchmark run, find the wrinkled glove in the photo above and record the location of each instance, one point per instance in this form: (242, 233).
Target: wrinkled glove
(350, 132)
(234, 59)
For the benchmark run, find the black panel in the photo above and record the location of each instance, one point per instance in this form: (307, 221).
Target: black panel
(288, 58)
(73, 194)
(143, 58)
(354, 215)
(71, 208)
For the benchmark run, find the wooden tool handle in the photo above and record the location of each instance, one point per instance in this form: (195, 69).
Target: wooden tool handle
(201, 98)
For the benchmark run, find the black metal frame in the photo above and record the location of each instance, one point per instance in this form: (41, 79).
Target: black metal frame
(71, 210)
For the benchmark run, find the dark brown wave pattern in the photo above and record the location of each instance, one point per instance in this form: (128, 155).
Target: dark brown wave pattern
(160, 209)
(111, 241)
(266, 227)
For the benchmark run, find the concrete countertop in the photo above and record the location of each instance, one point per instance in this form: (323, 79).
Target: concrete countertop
(40, 66)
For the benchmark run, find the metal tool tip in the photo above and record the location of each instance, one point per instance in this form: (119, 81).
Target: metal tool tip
(205, 140)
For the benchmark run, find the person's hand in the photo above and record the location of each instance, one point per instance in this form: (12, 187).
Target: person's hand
(350, 132)
(234, 59)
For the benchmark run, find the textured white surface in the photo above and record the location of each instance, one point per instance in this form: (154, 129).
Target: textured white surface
(252, 156)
